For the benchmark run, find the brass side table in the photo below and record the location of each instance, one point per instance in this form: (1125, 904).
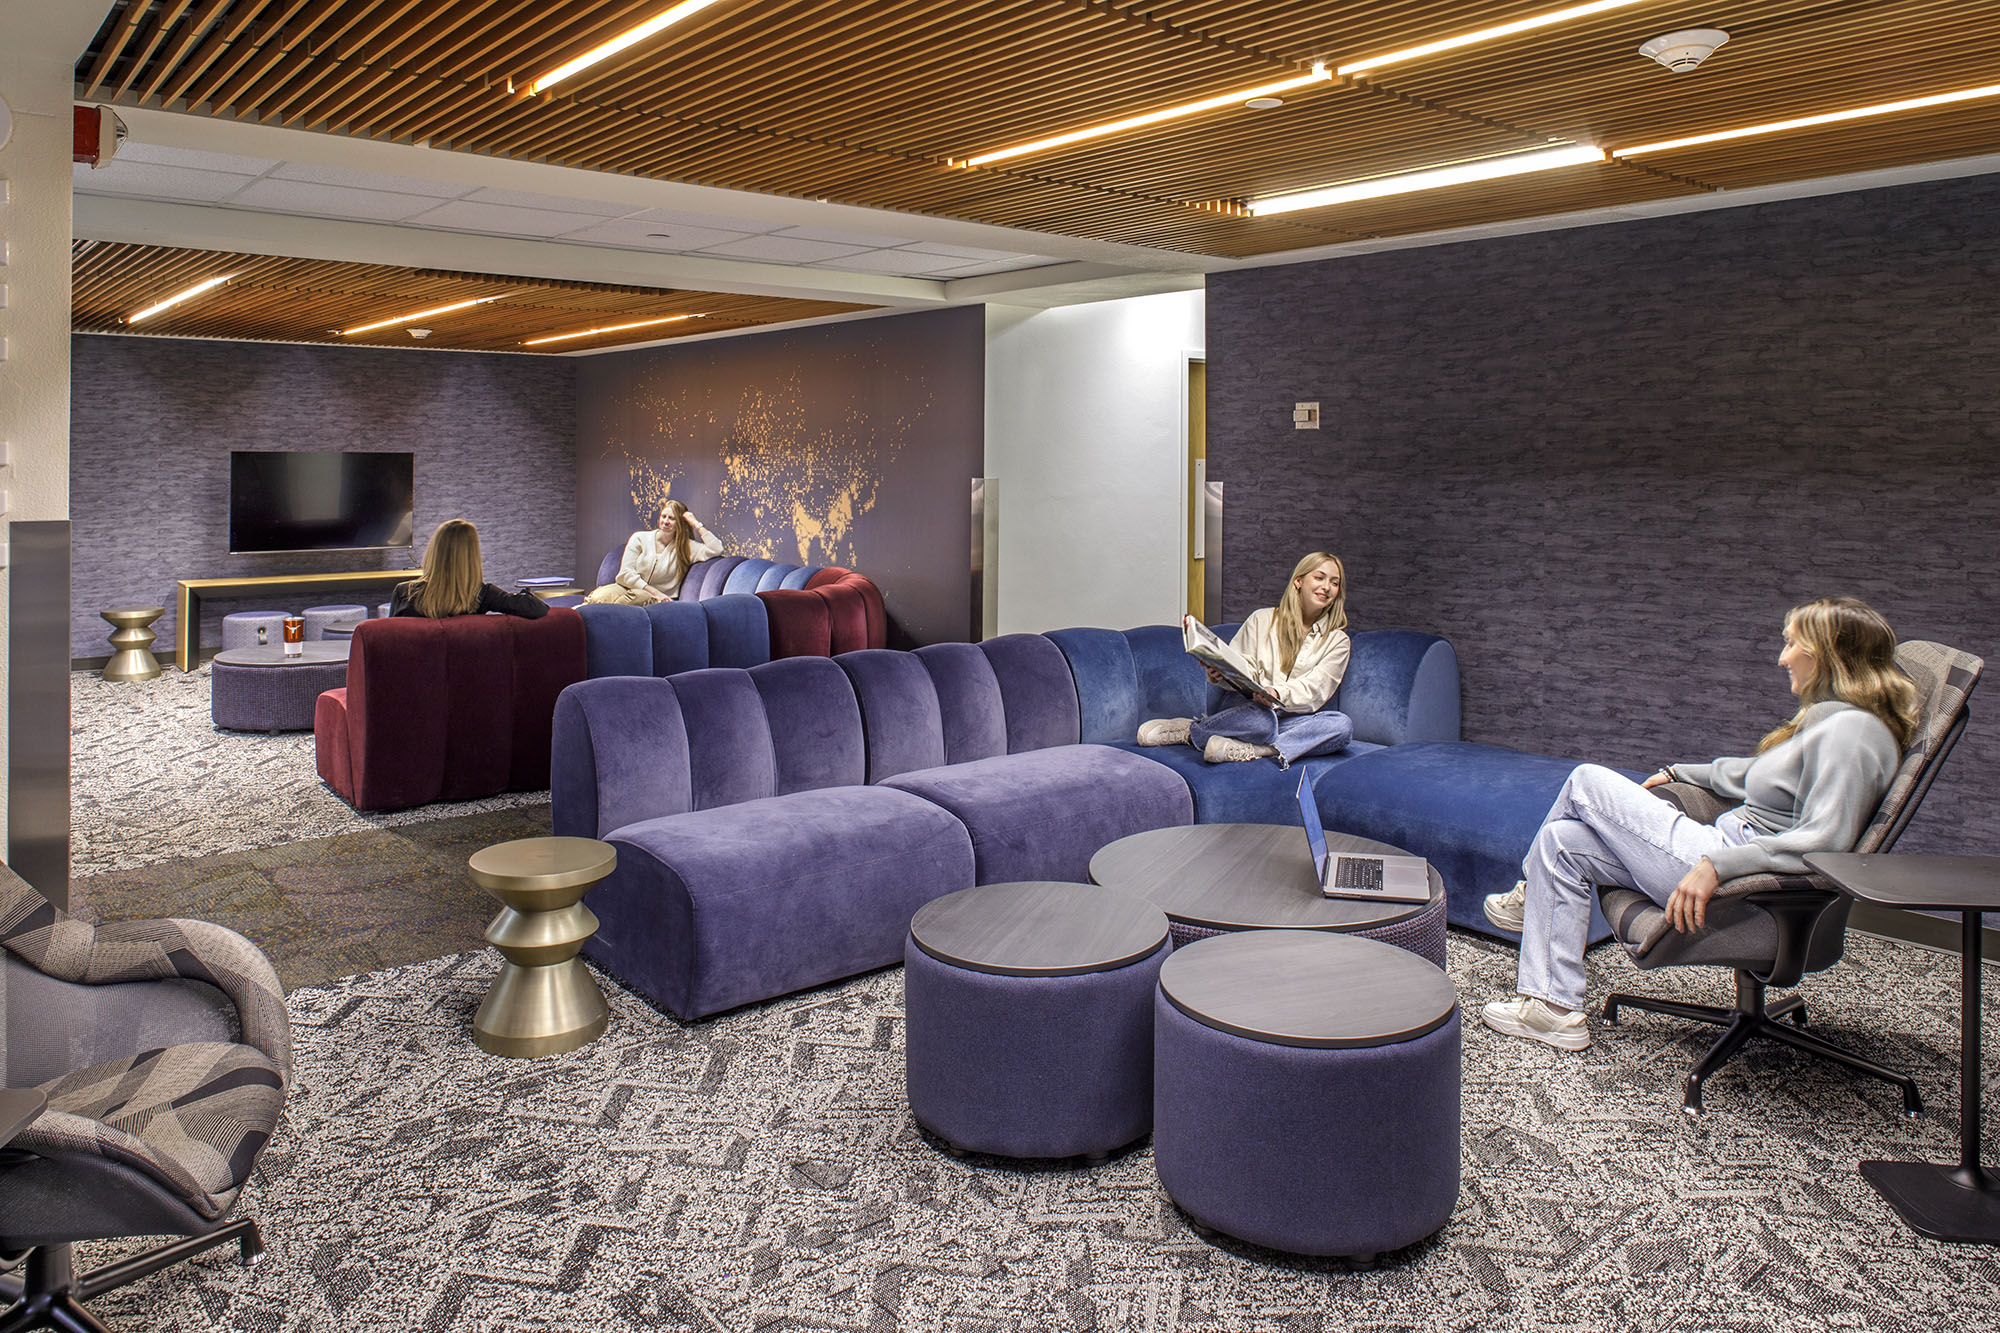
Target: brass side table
(131, 640)
(544, 1001)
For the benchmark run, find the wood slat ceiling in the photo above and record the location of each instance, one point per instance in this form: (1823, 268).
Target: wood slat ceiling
(862, 103)
(273, 298)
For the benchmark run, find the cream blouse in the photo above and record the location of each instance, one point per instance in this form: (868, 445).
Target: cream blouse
(650, 561)
(1315, 675)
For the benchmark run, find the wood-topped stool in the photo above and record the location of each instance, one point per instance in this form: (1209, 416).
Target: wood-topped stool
(544, 1001)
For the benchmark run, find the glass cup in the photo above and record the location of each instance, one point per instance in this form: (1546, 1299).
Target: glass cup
(295, 636)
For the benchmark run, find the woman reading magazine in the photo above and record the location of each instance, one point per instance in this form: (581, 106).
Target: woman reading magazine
(1297, 653)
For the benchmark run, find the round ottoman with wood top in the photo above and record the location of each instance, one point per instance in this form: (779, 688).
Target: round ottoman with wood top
(1029, 1018)
(1306, 1091)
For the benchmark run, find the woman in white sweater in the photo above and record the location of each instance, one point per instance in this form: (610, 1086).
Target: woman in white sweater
(656, 562)
(1302, 645)
(1812, 786)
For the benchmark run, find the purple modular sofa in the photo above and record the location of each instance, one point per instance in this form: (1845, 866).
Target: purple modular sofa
(778, 826)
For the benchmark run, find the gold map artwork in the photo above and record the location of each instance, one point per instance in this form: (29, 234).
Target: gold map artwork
(792, 489)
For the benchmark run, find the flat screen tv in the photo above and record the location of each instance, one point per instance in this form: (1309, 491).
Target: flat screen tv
(321, 501)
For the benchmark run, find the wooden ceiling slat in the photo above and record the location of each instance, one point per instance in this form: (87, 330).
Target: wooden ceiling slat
(272, 49)
(119, 25)
(191, 32)
(161, 21)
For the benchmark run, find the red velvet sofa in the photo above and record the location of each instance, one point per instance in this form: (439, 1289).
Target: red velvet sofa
(446, 710)
(838, 611)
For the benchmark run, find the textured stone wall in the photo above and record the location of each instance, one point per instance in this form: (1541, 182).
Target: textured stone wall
(1604, 462)
(153, 420)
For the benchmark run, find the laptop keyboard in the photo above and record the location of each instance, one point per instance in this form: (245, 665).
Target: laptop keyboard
(1358, 873)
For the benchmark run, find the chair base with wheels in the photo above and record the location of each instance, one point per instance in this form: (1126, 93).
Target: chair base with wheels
(50, 1294)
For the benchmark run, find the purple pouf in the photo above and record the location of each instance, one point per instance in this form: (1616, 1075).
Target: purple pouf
(270, 698)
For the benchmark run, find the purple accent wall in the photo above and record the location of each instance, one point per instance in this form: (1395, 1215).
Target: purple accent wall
(153, 420)
(844, 444)
(1604, 462)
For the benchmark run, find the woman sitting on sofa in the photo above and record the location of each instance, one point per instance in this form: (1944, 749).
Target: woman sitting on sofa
(656, 562)
(454, 581)
(1302, 645)
(1812, 786)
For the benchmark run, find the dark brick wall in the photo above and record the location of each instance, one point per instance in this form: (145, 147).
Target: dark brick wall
(1604, 462)
(152, 422)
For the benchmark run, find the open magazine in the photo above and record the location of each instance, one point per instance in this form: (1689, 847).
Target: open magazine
(1207, 647)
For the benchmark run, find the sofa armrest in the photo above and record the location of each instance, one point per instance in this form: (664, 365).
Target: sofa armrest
(1401, 686)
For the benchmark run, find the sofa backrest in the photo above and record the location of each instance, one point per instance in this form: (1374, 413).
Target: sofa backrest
(445, 709)
(736, 612)
(724, 575)
(1401, 685)
(835, 611)
(666, 638)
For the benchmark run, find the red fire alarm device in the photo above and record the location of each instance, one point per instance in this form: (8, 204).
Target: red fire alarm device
(96, 135)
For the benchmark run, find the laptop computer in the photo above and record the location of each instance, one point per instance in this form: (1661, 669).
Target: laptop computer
(1385, 877)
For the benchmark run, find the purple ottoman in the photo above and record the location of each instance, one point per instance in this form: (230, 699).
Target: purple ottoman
(1029, 1018)
(1306, 1091)
(261, 689)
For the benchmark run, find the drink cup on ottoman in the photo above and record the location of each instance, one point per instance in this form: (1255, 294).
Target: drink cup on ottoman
(295, 635)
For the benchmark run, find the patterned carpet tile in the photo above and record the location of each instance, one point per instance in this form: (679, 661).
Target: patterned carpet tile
(759, 1171)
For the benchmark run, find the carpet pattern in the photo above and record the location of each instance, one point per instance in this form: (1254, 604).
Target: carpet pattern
(151, 779)
(760, 1171)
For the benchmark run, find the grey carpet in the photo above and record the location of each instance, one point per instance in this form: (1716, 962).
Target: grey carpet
(759, 1171)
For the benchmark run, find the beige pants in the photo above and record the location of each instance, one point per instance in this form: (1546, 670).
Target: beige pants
(615, 594)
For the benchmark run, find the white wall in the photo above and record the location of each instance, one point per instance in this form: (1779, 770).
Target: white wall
(1085, 431)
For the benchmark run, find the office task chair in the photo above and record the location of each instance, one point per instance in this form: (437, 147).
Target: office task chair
(1773, 929)
(143, 1067)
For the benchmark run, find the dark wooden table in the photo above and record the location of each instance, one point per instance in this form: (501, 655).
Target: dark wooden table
(1962, 1202)
(1308, 988)
(18, 1108)
(1244, 877)
(1038, 929)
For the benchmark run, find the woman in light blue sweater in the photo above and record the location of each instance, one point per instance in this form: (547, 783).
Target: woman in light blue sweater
(1812, 786)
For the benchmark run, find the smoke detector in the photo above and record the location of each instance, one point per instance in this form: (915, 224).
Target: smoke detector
(1682, 51)
(419, 333)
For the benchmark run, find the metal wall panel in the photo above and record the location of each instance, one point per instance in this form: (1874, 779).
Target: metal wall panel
(38, 707)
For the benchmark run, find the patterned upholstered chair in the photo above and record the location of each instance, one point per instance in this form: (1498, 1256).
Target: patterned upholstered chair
(1773, 929)
(159, 1052)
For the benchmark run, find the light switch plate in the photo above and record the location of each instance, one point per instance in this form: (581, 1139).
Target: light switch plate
(1305, 416)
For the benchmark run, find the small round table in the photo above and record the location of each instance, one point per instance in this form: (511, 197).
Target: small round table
(544, 1001)
(132, 640)
(1211, 879)
(268, 689)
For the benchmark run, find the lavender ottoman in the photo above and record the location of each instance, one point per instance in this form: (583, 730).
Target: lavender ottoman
(1306, 1091)
(1029, 1018)
(261, 689)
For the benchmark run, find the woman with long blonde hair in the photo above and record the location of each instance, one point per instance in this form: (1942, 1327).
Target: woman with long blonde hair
(454, 581)
(1812, 786)
(1301, 645)
(656, 561)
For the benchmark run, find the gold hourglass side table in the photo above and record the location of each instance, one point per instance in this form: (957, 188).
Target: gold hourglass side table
(131, 642)
(544, 1001)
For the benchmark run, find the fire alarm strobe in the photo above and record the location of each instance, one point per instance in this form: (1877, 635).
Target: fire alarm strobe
(96, 137)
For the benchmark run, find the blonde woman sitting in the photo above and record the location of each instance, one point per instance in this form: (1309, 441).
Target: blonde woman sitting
(1302, 645)
(657, 561)
(454, 581)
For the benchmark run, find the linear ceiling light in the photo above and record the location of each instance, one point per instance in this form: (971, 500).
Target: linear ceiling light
(1856, 113)
(661, 21)
(1484, 35)
(608, 328)
(417, 314)
(1319, 75)
(1375, 187)
(178, 297)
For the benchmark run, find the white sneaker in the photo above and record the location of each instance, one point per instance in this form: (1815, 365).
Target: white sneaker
(1165, 731)
(1526, 1016)
(1229, 750)
(1509, 910)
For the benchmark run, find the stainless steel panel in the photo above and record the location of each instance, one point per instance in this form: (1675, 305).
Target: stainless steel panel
(985, 568)
(1211, 560)
(1200, 534)
(38, 706)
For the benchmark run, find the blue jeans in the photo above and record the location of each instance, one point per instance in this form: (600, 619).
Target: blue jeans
(1603, 829)
(1292, 735)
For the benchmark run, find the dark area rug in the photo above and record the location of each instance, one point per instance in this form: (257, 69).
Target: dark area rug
(328, 907)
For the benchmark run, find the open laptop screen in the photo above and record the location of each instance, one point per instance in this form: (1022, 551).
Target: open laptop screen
(1309, 816)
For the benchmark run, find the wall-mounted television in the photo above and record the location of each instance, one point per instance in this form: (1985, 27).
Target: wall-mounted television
(283, 500)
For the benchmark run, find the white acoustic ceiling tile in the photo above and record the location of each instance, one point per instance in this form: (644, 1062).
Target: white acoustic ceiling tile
(330, 201)
(871, 240)
(371, 180)
(464, 215)
(982, 270)
(642, 235)
(158, 155)
(555, 203)
(781, 250)
(147, 181)
(716, 221)
(900, 262)
(968, 253)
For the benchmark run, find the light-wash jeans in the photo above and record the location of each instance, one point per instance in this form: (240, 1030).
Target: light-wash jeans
(1603, 829)
(1292, 735)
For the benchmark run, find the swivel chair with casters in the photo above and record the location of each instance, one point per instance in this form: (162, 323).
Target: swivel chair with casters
(1773, 929)
(145, 1064)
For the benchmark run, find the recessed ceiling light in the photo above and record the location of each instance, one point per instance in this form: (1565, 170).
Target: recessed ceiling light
(1264, 103)
(417, 314)
(1802, 122)
(609, 328)
(1459, 173)
(1484, 35)
(666, 18)
(177, 298)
